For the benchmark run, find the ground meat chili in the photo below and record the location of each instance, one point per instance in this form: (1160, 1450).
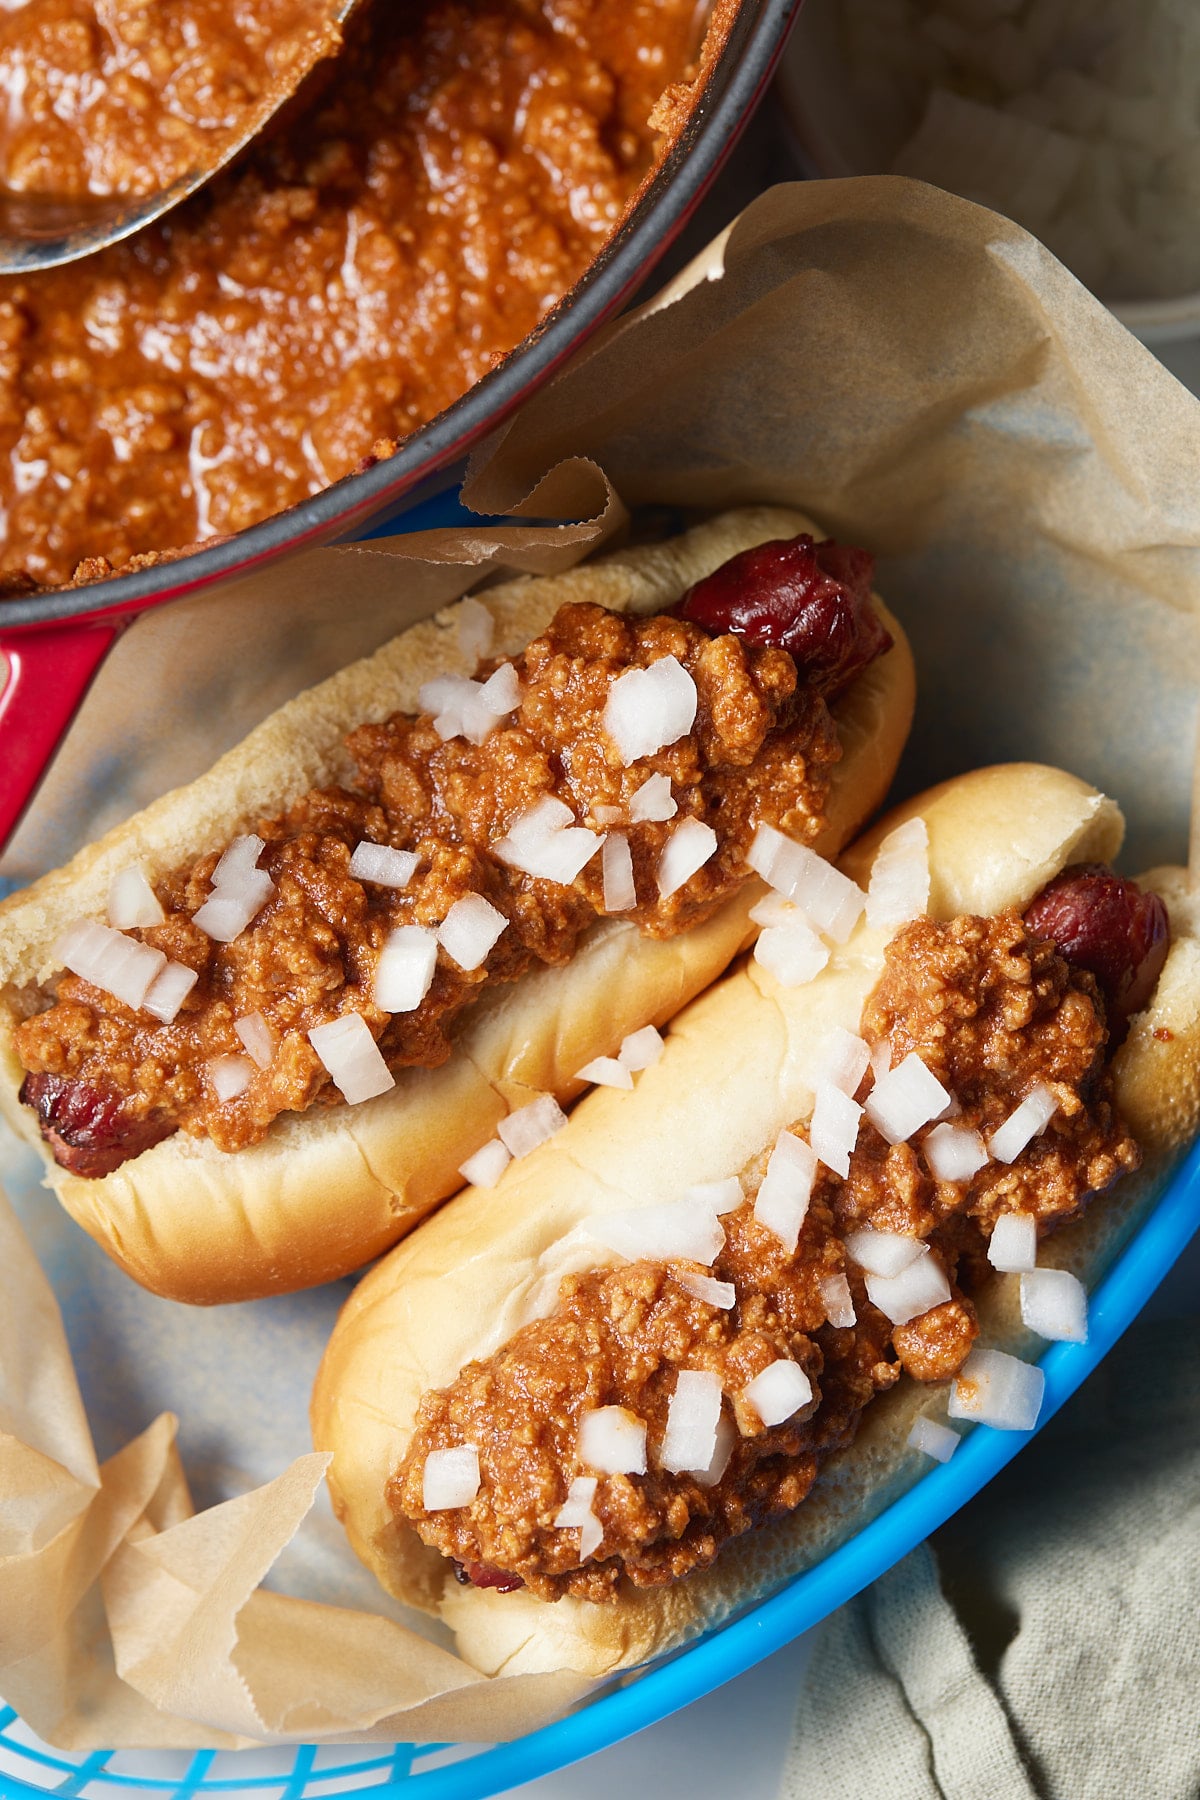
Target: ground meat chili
(115, 97)
(993, 1009)
(107, 1081)
(374, 256)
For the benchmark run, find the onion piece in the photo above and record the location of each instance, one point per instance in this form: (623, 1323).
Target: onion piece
(488, 1164)
(381, 865)
(842, 1060)
(714, 1293)
(999, 1390)
(352, 1058)
(257, 1037)
(613, 1440)
(829, 900)
(229, 1075)
(489, 704)
(914, 1291)
(543, 841)
(781, 1203)
(1054, 1304)
(531, 1125)
(616, 869)
(778, 1392)
(1022, 1125)
(690, 1439)
(132, 902)
(648, 709)
(653, 802)
(792, 953)
(476, 629)
(405, 968)
(954, 1152)
(450, 1478)
(1013, 1245)
(605, 1071)
(677, 1231)
(723, 1449)
(234, 905)
(899, 887)
(120, 965)
(168, 991)
(833, 1128)
(882, 1252)
(906, 1098)
(577, 1513)
(773, 909)
(607, 815)
(470, 930)
(932, 1439)
(718, 1196)
(239, 862)
(689, 847)
(837, 1301)
(881, 1059)
(641, 1049)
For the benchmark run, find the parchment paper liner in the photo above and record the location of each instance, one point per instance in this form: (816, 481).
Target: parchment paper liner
(922, 377)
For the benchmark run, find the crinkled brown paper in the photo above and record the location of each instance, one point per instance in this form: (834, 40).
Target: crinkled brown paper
(923, 378)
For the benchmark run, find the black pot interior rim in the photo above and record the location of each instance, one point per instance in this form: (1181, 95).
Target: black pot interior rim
(738, 78)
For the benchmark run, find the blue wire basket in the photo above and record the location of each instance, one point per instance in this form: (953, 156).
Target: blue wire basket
(472, 1771)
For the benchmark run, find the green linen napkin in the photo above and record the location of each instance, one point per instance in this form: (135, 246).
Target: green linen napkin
(1046, 1644)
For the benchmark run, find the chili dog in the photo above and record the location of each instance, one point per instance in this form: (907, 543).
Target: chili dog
(613, 1382)
(301, 993)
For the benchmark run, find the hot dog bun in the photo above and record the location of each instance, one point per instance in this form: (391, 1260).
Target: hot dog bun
(329, 1189)
(734, 1074)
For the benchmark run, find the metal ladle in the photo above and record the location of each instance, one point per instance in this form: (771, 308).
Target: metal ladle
(39, 231)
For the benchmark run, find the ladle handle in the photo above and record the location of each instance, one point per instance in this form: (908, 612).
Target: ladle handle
(46, 671)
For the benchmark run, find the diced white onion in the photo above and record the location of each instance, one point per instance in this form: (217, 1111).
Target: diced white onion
(723, 1449)
(591, 1536)
(613, 1440)
(999, 1390)
(693, 1412)
(543, 841)
(911, 1293)
(1013, 1245)
(688, 848)
(488, 1164)
(1022, 1125)
(229, 1075)
(405, 969)
(131, 900)
(607, 815)
(837, 1300)
(535, 824)
(470, 709)
(120, 965)
(773, 909)
(577, 1513)
(899, 886)
(640, 1049)
(954, 1152)
(653, 802)
(906, 1098)
(781, 1204)
(380, 864)
(677, 1231)
(231, 907)
(792, 953)
(649, 708)
(833, 1128)
(882, 1252)
(1054, 1304)
(605, 1071)
(616, 869)
(439, 692)
(829, 900)
(715, 1293)
(470, 930)
(932, 1439)
(476, 629)
(842, 1060)
(168, 991)
(719, 1196)
(881, 1059)
(257, 1037)
(352, 1058)
(450, 1478)
(778, 1392)
(531, 1125)
(239, 861)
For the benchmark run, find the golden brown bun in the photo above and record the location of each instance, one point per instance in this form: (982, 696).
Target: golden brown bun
(734, 1073)
(329, 1189)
